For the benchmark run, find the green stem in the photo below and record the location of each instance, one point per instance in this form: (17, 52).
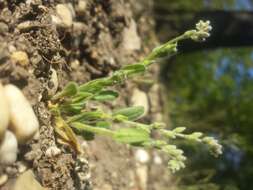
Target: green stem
(179, 38)
(122, 75)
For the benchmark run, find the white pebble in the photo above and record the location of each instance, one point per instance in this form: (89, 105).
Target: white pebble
(23, 121)
(157, 159)
(54, 81)
(56, 20)
(140, 98)
(22, 167)
(8, 149)
(65, 13)
(52, 151)
(142, 156)
(81, 6)
(20, 57)
(4, 112)
(131, 40)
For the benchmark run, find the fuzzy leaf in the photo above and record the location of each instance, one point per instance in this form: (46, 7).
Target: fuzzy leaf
(179, 129)
(107, 95)
(103, 124)
(81, 96)
(87, 116)
(72, 108)
(95, 86)
(135, 68)
(88, 136)
(131, 135)
(132, 113)
(70, 90)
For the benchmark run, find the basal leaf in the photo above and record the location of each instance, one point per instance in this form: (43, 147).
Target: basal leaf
(70, 90)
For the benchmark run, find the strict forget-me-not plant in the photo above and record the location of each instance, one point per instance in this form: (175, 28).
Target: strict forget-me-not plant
(72, 114)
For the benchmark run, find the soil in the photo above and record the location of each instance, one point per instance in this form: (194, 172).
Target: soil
(100, 36)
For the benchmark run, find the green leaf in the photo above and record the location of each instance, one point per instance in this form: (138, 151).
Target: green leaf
(72, 108)
(95, 86)
(107, 95)
(179, 129)
(103, 124)
(96, 130)
(81, 96)
(132, 113)
(137, 68)
(163, 50)
(131, 135)
(88, 136)
(70, 90)
(87, 116)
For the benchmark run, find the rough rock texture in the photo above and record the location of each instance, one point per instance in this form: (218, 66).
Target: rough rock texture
(75, 41)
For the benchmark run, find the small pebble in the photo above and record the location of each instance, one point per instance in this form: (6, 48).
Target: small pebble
(142, 156)
(54, 82)
(23, 121)
(75, 64)
(131, 40)
(52, 151)
(8, 149)
(56, 20)
(4, 113)
(81, 6)
(140, 98)
(20, 57)
(21, 167)
(65, 14)
(157, 159)
(3, 28)
(3, 179)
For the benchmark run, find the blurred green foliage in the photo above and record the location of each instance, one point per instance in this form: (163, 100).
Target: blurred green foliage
(213, 91)
(195, 5)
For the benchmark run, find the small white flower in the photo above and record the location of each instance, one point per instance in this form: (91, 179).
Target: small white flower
(204, 26)
(202, 31)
